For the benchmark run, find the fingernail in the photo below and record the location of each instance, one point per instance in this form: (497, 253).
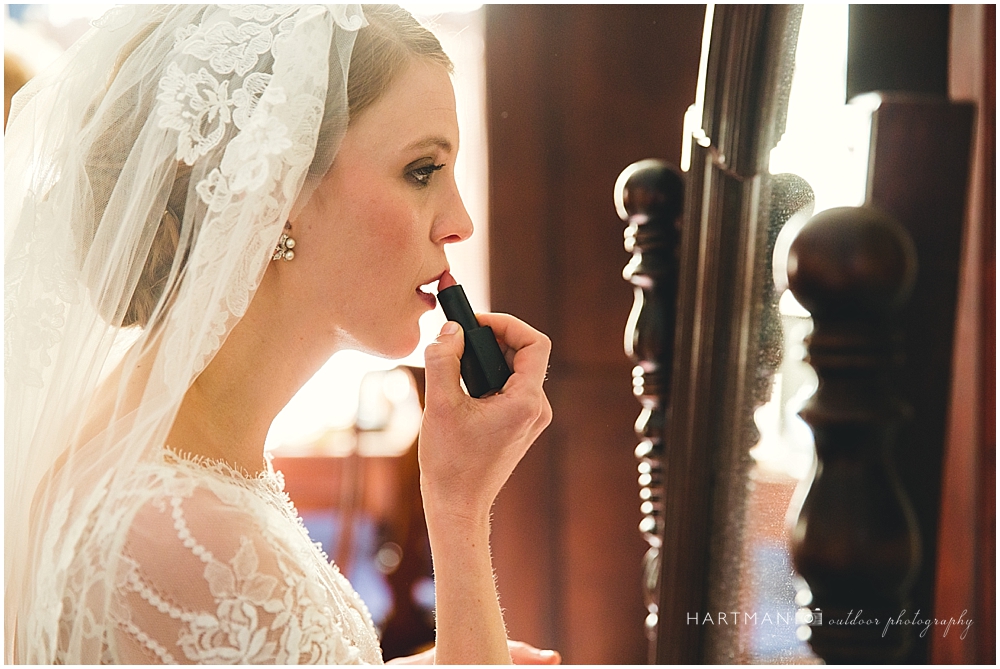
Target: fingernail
(547, 654)
(449, 328)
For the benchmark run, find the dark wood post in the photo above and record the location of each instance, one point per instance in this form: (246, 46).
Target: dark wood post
(856, 541)
(649, 197)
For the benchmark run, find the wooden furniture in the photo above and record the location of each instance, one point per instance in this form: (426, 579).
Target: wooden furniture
(649, 197)
(867, 535)
(715, 385)
(856, 541)
(918, 174)
(966, 576)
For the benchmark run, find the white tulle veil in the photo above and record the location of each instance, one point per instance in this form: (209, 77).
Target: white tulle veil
(204, 126)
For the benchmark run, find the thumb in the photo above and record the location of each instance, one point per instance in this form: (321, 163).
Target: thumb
(443, 365)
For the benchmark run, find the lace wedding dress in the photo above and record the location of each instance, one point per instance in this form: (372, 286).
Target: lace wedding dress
(210, 566)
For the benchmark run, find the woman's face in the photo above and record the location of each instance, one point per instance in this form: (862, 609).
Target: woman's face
(374, 231)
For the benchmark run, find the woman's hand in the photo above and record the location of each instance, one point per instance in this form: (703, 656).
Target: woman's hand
(469, 447)
(520, 653)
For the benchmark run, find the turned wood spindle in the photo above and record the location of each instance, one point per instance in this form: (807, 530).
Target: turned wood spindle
(648, 196)
(856, 541)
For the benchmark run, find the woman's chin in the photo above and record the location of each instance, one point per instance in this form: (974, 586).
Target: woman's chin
(402, 345)
(399, 353)
(399, 344)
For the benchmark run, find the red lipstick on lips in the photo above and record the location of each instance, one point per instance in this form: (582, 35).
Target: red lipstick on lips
(428, 297)
(446, 281)
(484, 368)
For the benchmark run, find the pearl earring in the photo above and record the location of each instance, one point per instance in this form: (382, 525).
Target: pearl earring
(283, 251)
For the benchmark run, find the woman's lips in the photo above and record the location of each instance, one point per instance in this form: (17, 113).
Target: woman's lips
(427, 291)
(428, 298)
(446, 281)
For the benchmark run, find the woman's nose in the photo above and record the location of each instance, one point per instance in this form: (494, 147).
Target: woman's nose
(454, 223)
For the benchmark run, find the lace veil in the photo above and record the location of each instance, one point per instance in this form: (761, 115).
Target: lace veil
(148, 177)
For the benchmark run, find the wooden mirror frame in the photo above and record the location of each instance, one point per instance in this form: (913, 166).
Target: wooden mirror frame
(724, 248)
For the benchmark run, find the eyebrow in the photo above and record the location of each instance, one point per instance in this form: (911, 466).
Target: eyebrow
(440, 142)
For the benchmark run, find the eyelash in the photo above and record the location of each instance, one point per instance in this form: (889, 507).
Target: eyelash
(422, 175)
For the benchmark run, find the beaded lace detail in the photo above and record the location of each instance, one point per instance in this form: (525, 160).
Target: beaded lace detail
(216, 567)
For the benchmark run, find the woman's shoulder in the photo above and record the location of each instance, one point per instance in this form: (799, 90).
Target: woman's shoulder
(209, 550)
(182, 502)
(172, 473)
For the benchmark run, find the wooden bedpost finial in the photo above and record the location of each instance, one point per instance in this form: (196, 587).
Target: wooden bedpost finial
(856, 541)
(649, 198)
(651, 188)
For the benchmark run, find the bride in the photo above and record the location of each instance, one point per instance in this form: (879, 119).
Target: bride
(202, 204)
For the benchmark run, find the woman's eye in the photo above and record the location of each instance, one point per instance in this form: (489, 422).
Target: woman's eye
(422, 175)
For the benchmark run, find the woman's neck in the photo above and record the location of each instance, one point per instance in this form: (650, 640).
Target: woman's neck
(268, 356)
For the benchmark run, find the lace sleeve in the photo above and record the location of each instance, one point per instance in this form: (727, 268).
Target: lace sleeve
(213, 574)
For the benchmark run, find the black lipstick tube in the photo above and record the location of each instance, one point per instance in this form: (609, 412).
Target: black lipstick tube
(484, 368)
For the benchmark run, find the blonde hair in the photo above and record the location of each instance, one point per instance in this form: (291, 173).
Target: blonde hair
(382, 51)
